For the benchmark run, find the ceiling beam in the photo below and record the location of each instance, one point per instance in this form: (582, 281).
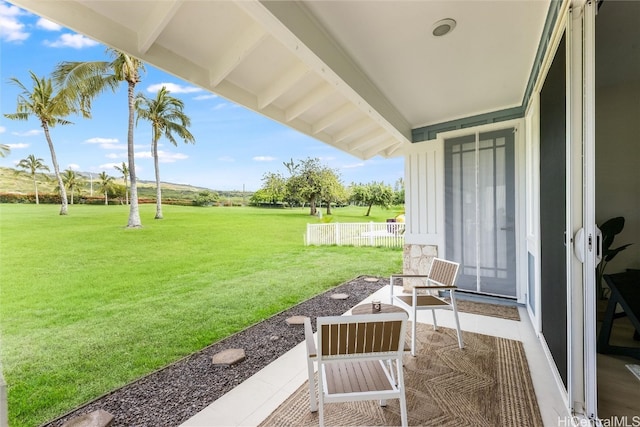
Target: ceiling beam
(292, 24)
(354, 128)
(393, 149)
(378, 148)
(312, 98)
(367, 139)
(238, 50)
(283, 84)
(334, 117)
(159, 16)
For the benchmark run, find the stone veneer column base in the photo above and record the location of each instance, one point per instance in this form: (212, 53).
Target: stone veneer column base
(416, 259)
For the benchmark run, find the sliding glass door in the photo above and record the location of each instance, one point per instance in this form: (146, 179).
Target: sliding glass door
(480, 211)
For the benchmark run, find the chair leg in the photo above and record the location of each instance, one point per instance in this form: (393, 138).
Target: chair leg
(313, 403)
(320, 396)
(455, 315)
(413, 332)
(403, 398)
(435, 322)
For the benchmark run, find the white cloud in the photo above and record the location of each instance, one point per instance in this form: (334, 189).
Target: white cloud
(264, 158)
(45, 24)
(32, 132)
(203, 97)
(11, 29)
(3, 129)
(173, 88)
(18, 146)
(73, 167)
(353, 166)
(107, 167)
(98, 140)
(75, 41)
(163, 156)
(115, 156)
(227, 159)
(107, 144)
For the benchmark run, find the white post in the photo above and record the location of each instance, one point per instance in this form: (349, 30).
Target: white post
(4, 407)
(371, 239)
(337, 230)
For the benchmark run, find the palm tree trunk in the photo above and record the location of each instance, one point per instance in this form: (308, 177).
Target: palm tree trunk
(134, 211)
(106, 199)
(35, 186)
(154, 145)
(126, 191)
(63, 191)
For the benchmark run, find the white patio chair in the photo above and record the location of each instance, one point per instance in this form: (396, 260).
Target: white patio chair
(360, 358)
(441, 277)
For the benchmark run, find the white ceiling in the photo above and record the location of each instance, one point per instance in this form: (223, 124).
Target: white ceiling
(358, 75)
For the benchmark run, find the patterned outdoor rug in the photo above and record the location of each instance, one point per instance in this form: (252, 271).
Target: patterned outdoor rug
(486, 309)
(485, 384)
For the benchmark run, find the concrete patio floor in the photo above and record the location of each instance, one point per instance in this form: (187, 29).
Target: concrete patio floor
(256, 398)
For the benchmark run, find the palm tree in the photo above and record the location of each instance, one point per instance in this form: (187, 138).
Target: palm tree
(83, 81)
(32, 165)
(124, 170)
(166, 117)
(71, 181)
(105, 183)
(4, 150)
(50, 108)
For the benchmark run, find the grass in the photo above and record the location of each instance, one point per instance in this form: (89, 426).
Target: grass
(88, 305)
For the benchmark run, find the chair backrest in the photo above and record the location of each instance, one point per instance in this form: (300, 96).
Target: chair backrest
(443, 272)
(367, 336)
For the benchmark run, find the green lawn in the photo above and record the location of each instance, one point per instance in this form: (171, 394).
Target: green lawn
(87, 305)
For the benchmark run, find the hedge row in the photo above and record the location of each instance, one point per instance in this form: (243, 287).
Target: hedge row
(51, 198)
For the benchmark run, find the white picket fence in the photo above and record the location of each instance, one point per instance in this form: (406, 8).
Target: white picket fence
(389, 234)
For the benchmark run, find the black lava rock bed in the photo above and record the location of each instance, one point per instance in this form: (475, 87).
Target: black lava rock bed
(174, 394)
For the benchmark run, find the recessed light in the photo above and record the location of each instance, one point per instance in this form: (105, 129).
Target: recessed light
(442, 27)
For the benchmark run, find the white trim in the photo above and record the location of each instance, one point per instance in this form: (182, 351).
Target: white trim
(590, 373)
(573, 339)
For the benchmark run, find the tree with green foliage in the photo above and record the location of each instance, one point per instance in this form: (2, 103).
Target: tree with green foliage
(332, 190)
(274, 188)
(307, 179)
(167, 118)
(83, 81)
(105, 184)
(72, 181)
(206, 198)
(32, 165)
(50, 108)
(373, 193)
(398, 192)
(124, 170)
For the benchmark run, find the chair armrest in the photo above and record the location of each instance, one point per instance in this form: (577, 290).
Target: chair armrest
(399, 276)
(452, 287)
(308, 336)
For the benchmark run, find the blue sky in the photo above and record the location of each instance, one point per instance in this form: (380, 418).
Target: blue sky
(234, 146)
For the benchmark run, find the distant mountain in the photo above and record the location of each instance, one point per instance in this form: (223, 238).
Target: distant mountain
(17, 181)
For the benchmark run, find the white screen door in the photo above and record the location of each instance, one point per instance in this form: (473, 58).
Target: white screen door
(480, 211)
